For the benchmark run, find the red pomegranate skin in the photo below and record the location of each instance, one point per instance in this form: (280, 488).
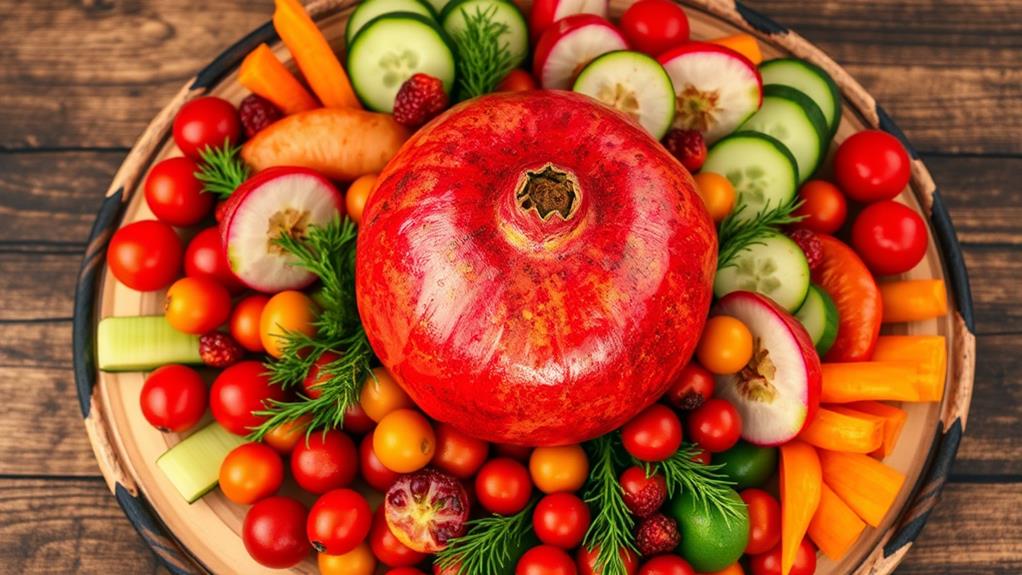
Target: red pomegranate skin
(524, 330)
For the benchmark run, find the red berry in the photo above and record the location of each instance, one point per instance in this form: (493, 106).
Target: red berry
(420, 98)
(643, 495)
(219, 349)
(811, 246)
(257, 113)
(688, 146)
(657, 533)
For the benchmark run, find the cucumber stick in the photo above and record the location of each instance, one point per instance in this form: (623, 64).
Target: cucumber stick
(193, 466)
(809, 79)
(143, 343)
(797, 122)
(819, 316)
(775, 267)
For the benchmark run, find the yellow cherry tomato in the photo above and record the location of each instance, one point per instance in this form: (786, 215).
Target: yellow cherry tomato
(717, 193)
(287, 311)
(559, 469)
(382, 395)
(357, 196)
(358, 561)
(726, 345)
(404, 441)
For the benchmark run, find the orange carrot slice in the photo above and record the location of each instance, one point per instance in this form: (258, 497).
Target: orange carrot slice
(801, 483)
(913, 300)
(931, 353)
(744, 44)
(262, 73)
(315, 58)
(869, 380)
(894, 420)
(868, 486)
(831, 429)
(835, 527)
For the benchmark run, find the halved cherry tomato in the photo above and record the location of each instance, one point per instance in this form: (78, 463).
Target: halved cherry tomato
(250, 472)
(559, 469)
(387, 548)
(358, 194)
(458, 454)
(855, 293)
(175, 195)
(197, 305)
(244, 323)
(824, 207)
(145, 255)
(517, 80)
(764, 520)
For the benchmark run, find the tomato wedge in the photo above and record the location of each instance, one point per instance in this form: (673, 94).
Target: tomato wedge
(855, 293)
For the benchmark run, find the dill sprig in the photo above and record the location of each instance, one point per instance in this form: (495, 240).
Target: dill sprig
(483, 58)
(611, 529)
(222, 170)
(708, 486)
(738, 234)
(489, 544)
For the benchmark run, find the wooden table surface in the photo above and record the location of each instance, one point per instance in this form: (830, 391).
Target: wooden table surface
(80, 80)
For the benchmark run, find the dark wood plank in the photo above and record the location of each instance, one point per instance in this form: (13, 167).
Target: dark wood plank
(983, 197)
(38, 285)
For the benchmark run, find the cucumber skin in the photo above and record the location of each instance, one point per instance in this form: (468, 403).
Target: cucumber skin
(160, 344)
(349, 36)
(813, 114)
(835, 93)
(222, 441)
(830, 322)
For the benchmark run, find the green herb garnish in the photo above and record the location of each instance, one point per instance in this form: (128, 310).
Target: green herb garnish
(489, 544)
(222, 170)
(735, 235)
(483, 59)
(706, 483)
(612, 526)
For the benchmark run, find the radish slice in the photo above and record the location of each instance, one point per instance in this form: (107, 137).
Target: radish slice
(276, 201)
(546, 12)
(778, 392)
(634, 84)
(567, 46)
(717, 88)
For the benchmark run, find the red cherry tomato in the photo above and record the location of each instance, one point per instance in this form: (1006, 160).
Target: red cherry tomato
(357, 421)
(871, 166)
(173, 398)
(693, 386)
(387, 548)
(313, 380)
(769, 563)
(517, 80)
(405, 571)
(654, 26)
(890, 237)
(855, 293)
(516, 452)
(653, 435)
(458, 454)
(503, 486)
(338, 521)
(175, 195)
(325, 461)
(250, 472)
(666, 565)
(205, 122)
(703, 457)
(546, 560)
(374, 472)
(244, 322)
(561, 520)
(240, 390)
(824, 208)
(274, 532)
(145, 255)
(716, 426)
(586, 560)
(204, 258)
(197, 305)
(764, 521)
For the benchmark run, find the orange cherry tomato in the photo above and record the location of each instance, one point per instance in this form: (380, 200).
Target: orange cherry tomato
(717, 193)
(824, 207)
(251, 472)
(358, 561)
(517, 80)
(285, 436)
(287, 311)
(244, 323)
(559, 469)
(357, 196)
(382, 395)
(458, 454)
(732, 569)
(404, 441)
(197, 305)
(726, 345)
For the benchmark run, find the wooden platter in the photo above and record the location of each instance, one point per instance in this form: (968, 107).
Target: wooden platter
(204, 537)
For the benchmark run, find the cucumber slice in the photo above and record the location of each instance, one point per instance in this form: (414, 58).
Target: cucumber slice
(143, 343)
(438, 5)
(795, 120)
(761, 169)
(775, 267)
(370, 9)
(517, 33)
(634, 84)
(818, 315)
(193, 466)
(390, 49)
(809, 79)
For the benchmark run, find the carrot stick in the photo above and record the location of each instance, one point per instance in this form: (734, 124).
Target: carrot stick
(868, 380)
(868, 486)
(835, 527)
(929, 350)
(831, 429)
(913, 300)
(315, 58)
(263, 74)
(801, 482)
(894, 420)
(744, 44)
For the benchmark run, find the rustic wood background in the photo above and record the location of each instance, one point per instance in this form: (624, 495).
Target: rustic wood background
(79, 80)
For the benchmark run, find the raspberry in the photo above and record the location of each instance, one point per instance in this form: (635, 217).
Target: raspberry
(219, 349)
(420, 98)
(811, 246)
(642, 495)
(257, 113)
(657, 534)
(688, 146)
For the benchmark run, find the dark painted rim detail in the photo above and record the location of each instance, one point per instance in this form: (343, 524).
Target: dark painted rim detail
(764, 24)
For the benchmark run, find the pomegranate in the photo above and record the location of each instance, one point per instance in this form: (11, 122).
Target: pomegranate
(533, 268)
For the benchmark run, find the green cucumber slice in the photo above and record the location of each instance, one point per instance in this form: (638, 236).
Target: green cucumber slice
(390, 49)
(193, 466)
(517, 34)
(143, 343)
(438, 5)
(761, 169)
(775, 267)
(818, 315)
(369, 9)
(797, 122)
(634, 84)
(809, 79)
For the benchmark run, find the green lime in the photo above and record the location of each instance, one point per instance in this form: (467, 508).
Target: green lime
(747, 465)
(710, 540)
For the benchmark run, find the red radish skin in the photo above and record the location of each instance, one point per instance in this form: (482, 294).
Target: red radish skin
(546, 12)
(571, 43)
(523, 330)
